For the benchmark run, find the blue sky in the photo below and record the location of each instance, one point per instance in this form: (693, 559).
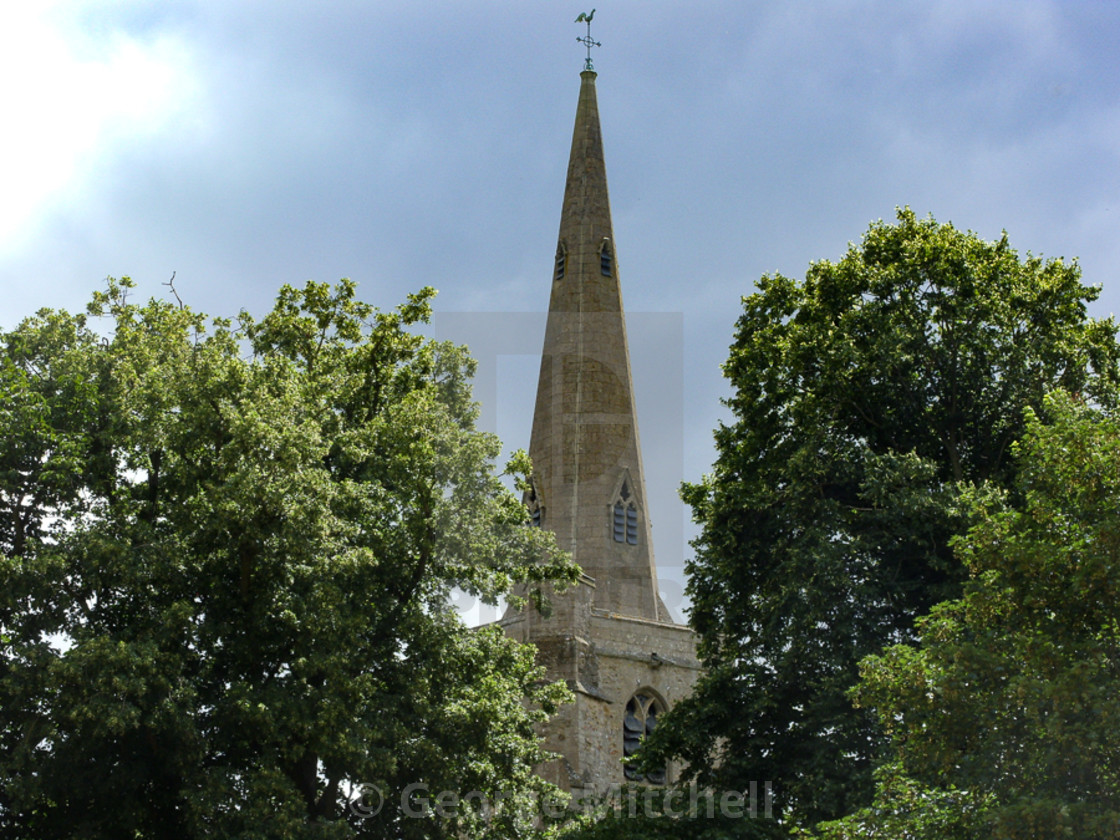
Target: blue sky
(244, 145)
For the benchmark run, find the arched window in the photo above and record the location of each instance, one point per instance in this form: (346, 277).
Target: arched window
(536, 512)
(640, 719)
(624, 524)
(561, 261)
(606, 260)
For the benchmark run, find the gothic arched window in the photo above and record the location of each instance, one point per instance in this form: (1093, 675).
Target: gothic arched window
(606, 260)
(536, 512)
(640, 719)
(625, 517)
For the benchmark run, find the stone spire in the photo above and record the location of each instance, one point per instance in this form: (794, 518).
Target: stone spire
(609, 638)
(588, 482)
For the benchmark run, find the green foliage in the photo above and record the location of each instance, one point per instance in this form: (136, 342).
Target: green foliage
(905, 809)
(226, 555)
(1013, 699)
(866, 398)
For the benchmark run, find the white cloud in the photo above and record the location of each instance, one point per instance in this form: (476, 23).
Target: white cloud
(69, 98)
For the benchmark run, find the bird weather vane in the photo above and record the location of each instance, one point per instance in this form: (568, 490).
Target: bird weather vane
(587, 40)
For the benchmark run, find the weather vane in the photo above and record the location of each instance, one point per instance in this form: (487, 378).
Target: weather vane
(587, 40)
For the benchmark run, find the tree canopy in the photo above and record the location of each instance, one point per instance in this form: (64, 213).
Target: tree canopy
(226, 551)
(1005, 721)
(866, 400)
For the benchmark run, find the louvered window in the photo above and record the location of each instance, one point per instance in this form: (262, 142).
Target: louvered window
(624, 520)
(605, 262)
(619, 522)
(536, 512)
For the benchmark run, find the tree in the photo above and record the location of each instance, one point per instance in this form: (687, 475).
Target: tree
(226, 559)
(865, 399)
(1007, 717)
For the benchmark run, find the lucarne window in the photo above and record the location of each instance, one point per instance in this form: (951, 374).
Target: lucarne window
(561, 261)
(536, 513)
(625, 520)
(640, 719)
(605, 260)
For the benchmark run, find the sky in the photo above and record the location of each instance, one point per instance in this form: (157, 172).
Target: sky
(245, 145)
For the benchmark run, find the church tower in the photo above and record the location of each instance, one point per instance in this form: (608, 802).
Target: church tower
(610, 637)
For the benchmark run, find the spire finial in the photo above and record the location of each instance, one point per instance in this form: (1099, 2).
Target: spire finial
(587, 40)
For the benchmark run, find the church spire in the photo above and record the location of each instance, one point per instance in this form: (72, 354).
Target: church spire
(609, 637)
(588, 482)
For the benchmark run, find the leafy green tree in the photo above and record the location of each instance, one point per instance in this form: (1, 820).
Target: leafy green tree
(865, 399)
(1007, 717)
(226, 552)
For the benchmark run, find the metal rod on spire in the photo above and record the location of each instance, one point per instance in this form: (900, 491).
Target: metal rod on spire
(587, 40)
